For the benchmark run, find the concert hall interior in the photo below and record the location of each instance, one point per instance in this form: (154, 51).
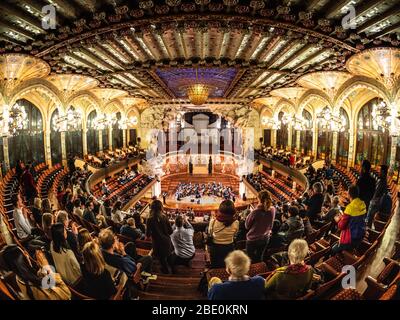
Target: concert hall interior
(199, 150)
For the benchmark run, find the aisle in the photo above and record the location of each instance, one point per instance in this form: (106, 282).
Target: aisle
(180, 286)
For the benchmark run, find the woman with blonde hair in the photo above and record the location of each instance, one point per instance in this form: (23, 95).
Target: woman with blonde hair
(292, 281)
(239, 285)
(98, 282)
(84, 237)
(259, 223)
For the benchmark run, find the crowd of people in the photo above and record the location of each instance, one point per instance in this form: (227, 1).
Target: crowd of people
(198, 191)
(101, 265)
(289, 159)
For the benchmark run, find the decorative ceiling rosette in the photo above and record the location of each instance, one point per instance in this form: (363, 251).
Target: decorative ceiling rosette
(382, 64)
(326, 81)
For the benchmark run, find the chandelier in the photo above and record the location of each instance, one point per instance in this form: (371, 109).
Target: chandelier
(286, 119)
(198, 93)
(104, 121)
(331, 122)
(13, 119)
(299, 123)
(125, 123)
(274, 124)
(384, 117)
(71, 121)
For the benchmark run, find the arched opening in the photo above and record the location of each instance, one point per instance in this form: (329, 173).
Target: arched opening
(117, 133)
(92, 135)
(73, 139)
(325, 138)
(28, 143)
(282, 133)
(306, 135)
(342, 155)
(372, 142)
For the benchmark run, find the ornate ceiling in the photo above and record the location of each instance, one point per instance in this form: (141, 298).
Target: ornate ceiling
(150, 48)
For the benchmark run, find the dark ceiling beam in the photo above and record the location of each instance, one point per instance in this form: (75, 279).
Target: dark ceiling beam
(295, 55)
(308, 59)
(365, 6)
(312, 4)
(269, 46)
(379, 18)
(121, 50)
(96, 58)
(332, 8)
(87, 5)
(65, 7)
(7, 25)
(6, 38)
(275, 57)
(135, 47)
(109, 55)
(161, 84)
(234, 83)
(18, 13)
(82, 61)
(387, 30)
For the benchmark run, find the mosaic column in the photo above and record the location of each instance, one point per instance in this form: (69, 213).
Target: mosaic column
(298, 135)
(334, 145)
(5, 154)
(128, 137)
(124, 138)
(63, 148)
(101, 140)
(315, 141)
(393, 149)
(84, 141)
(352, 140)
(273, 138)
(47, 148)
(110, 140)
(289, 146)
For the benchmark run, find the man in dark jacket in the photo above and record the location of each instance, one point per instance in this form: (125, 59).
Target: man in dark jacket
(380, 190)
(29, 185)
(366, 184)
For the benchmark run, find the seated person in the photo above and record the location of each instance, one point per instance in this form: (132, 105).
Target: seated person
(30, 278)
(182, 240)
(129, 230)
(114, 255)
(239, 285)
(292, 227)
(333, 211)
(292, 281)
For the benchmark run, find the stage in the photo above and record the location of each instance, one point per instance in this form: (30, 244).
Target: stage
(170, 183)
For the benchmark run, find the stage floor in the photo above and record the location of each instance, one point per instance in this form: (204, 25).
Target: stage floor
(207, 203)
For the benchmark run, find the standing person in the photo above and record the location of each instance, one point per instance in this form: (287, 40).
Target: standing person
(351, 223)
(190, 167)
(210, 166)
(29, 185)
(381, 189)
(222, 230)
(19, 169)
(259, 223)
(366, 184)
(182, 240)
(160, 230)
(314, 204)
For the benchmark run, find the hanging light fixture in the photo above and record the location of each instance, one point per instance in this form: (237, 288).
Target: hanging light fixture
(269, 122)
(104, 121)
(71, 121)
(299, 123)
(13, 119)
(198, 92)
(330, 121)
(125, 123)
(385, 118)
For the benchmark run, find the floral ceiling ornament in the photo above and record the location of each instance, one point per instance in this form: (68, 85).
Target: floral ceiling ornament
(12, 120)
